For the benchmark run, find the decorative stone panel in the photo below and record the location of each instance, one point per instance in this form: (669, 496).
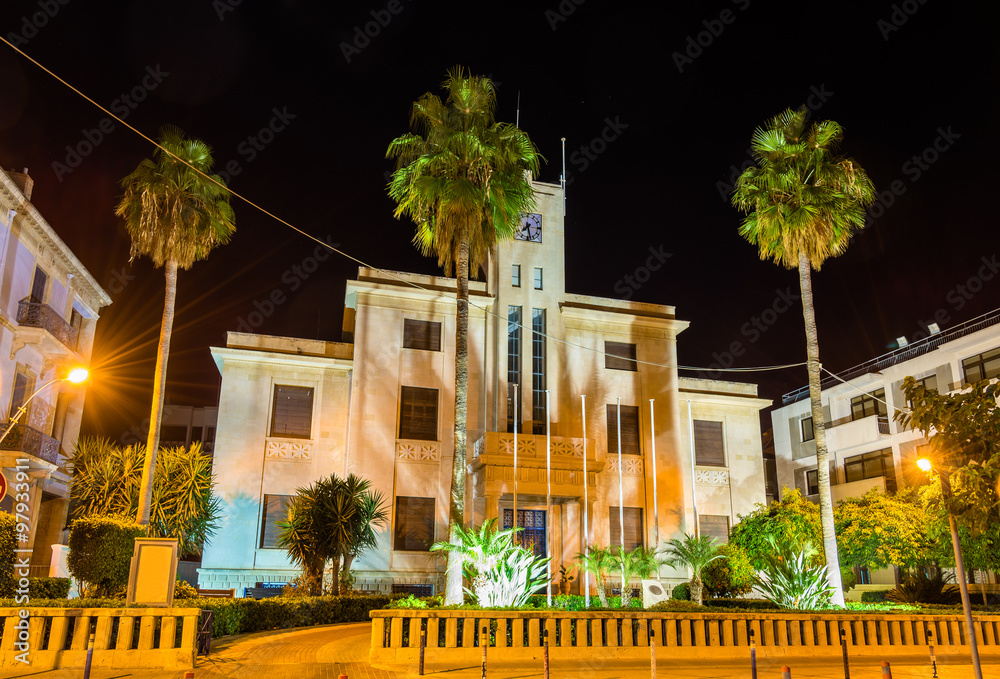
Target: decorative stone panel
(714, 477)
(288, 450)
(418, 451)
(631, 466)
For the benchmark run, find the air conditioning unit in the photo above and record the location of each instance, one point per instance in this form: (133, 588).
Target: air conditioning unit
(653, 592)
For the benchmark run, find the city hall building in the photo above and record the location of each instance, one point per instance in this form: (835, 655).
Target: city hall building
(547, 363)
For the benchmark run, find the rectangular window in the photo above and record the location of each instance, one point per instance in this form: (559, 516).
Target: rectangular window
(515, 275)
(38, 284)
(619, 356)
(630, 430)
(709, 448)
(538, 278)
(714, 526)
(418, 414)
(807, 430)
(424, 335)
(414, 527)
(812, 482)
(984, 366)
(292, 414)
(274, 510)
(867, 405)
(862, 575)
(513, 366)
(633, 528)
(871, 466)
(538, 380)
(929, 382)
(24, 384)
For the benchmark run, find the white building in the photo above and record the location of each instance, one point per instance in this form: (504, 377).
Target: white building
(382, 404)
(868, 449)
(49, 305)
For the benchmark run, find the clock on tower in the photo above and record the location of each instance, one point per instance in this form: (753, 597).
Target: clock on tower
(530, 228)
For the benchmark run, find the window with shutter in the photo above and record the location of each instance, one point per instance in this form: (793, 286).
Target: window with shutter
(274, 510)
(630, 430)
(708, 446)
(418, 414)
(424, 335)
(633, 528)
(414, 528)
(714, 526)
(292, 414)
(619, 356)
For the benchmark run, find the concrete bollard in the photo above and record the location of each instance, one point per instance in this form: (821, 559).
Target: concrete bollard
(786, 673)
(652, 652)
(484, 641)
(90, 656)
(545, 656)
(930, 645)
(753, 656)
(423, 643)
(886, 670)
(843, 645)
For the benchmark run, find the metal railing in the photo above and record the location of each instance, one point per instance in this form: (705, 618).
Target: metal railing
(25, 439)
(918, 348)
(37, 315)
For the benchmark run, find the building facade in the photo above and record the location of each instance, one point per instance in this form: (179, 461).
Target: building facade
(555, 369)
(868, 449)
(181, 426)
(49, 306)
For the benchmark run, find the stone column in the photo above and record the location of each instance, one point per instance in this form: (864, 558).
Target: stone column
(492, 507)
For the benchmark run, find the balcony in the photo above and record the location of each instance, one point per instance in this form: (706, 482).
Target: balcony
(24, 439)
(493, 465)
(41, 325)
(845, 433)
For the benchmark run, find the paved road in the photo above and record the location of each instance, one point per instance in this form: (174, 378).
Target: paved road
(329, 651)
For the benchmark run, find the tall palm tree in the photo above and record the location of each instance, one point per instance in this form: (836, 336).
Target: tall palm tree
(803, 204)
(694, 553)
(463, 179)
(175, 216)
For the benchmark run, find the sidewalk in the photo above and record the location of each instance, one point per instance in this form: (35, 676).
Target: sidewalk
(329, 651)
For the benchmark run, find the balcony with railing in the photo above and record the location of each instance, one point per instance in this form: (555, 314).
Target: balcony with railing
(42, 325)
(846, 432)
(25, 439)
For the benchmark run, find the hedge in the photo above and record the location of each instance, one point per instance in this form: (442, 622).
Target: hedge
(48, 588)
(874, 597)
(8, 543)
(100, 551)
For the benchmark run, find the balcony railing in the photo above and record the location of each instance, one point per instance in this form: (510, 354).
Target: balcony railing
(25, 439)
(37, 315)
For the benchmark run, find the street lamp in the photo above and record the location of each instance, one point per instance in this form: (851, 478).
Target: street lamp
(927, 466)
(76, 375)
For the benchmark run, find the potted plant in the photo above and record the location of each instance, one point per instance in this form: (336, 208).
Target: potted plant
(565, 580)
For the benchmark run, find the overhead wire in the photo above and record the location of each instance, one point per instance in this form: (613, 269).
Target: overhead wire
(357, 260)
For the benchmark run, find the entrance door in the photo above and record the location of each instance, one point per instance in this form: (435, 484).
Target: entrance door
(533, 523)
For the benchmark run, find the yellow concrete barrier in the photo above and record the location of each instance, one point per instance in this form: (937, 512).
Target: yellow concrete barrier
(57, 638)
(516, 635)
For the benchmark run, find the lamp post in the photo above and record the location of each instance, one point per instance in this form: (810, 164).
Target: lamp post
(963, 586)
(76, 376)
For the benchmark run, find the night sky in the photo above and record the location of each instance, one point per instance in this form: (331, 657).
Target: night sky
(657, 106)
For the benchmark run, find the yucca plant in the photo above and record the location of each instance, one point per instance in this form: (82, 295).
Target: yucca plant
(502, 573)
(792, 580)
(918, 587)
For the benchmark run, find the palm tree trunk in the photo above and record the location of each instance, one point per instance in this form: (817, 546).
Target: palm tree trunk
(453, 586)
(602, 594)
(819, 433)
(335, 574)
(696, 589)
(159, 390)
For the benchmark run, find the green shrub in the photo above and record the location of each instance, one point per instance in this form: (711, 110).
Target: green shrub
(676, 606)
(8, 543)
(48, 588)
(918, 588)
(875, 597)
(729, 577)
(100, 551)
(681, 592)
(184, 590)
(742, 604)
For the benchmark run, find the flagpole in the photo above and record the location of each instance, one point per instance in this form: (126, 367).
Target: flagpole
(621, 496)
(586, 524)
(694, 500)
(652, 450)
(513, 522)
(548, 497)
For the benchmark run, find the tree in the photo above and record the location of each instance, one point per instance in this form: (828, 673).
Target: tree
(597, 562)
(107, 479)
(175, 214)
(730, 577)
(791, 520)
(640, 562)
(880, 530)
(803, 204)
(463, 179)
(694, 553)
(332, 520)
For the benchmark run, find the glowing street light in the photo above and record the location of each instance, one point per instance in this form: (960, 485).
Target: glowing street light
(925, 464)
(76, 375)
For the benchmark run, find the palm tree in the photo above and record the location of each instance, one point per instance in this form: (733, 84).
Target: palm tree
(640, 562)
(463, 179)
(694, 553)
(803, 204)
(175, 214)
(597, 562)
